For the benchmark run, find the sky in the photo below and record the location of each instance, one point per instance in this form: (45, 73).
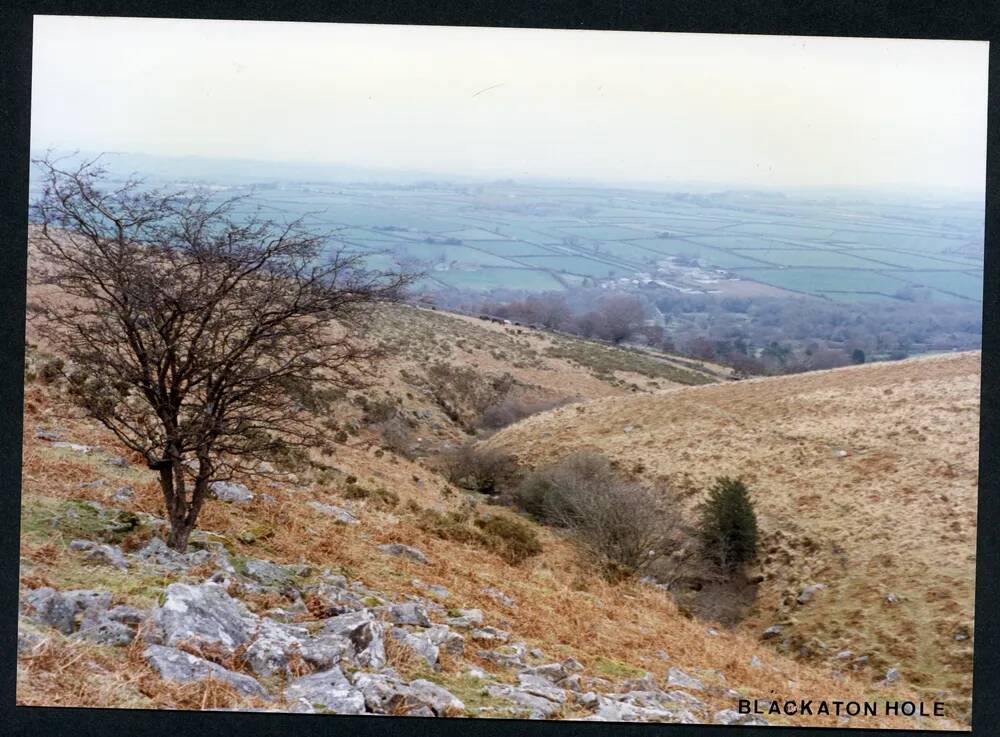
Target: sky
(594, 106)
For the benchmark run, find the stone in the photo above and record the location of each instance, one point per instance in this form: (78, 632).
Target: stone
(60, 609)
(27, 642)
(266, 572)
(677, 677)
(891, 676)
(441, 701)
(537, 707)
(755, 662)
(500, 597)
(807, 594)
(101, 553)
(731, 716)
(771, 632)
(336, 600)
(845, 655)
(539, 686)
(551, 672)
(421, 645)
(203, 615)
(441, 636)
(489, 634)
(338, 513)
(891, 599)
(126, 615)
(117, 462)
(646, 683)
(405, 551)
(43, 434)
(329, 690)
(98, 627)
(275, 644)
(466, 618)
(230, 492)
(412, 614)
(75, 447)
(365, 635)
(123, 494)
(176, 665)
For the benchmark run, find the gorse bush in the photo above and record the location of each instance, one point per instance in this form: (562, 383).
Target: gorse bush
(728, 529)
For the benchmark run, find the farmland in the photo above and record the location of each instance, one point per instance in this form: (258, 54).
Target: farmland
(534, 238)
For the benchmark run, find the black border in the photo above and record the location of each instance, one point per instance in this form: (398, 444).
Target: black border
(972, 20)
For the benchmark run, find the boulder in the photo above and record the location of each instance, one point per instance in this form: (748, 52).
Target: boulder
(275, 645)
(265, 572)
(59, 610)
(466, 618)
(441, 701)
(110, 555)
(810, 591)
(412, 614)
(97, 626)
(405, 551)
(123, 494)
(365, 635)
(203, 615)
(441, 636)
(677, 677)
(230, 492)
(328, 690)
(489, 634)
(27, 641)
(339, 514)
(551, 672)
(499, 597)
(176, 665)
(419, 643)
(539, 686)
(771, 632)
(536, 707)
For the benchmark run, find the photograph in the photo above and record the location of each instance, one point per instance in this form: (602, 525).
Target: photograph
(501, 373)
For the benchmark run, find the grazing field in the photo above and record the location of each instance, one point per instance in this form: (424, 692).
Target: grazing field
(549, 237)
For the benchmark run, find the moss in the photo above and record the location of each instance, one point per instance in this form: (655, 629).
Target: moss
(615, 669)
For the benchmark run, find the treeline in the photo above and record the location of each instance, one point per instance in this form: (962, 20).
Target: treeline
(755, 335)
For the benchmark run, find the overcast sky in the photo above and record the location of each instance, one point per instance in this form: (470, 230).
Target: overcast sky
(775, 111)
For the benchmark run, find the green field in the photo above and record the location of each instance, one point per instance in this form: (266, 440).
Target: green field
(544, 237)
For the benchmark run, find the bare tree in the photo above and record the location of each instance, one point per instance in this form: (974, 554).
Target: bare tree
(192, 332)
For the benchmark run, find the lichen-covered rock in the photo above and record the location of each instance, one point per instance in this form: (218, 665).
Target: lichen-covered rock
(442, 636)
(59, 609)
(412, 614)
(489, 634)
(98, 627)
(441, 701)
(466, 618)
(338, 513)
(100, 553)
(176, 665)
(203, 615)
(327, 690)
(535, 707)
(677, 677)
(365, 635)
(230, 492)
(266, 572)
(275, 646)
(404, 551)
(500, 597)
(419, 643)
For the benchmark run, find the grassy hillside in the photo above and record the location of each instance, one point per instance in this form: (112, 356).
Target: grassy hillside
(865, 480)
(559, 605)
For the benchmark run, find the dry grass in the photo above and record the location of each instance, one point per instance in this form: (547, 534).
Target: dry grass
(895, 513)
(563, 607)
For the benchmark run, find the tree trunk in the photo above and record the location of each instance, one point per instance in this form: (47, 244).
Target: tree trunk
(172, 485)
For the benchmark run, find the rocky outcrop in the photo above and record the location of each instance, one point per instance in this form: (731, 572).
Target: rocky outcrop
(176, 665)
